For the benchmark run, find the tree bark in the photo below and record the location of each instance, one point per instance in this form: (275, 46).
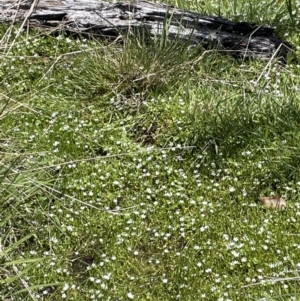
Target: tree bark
(113, 20)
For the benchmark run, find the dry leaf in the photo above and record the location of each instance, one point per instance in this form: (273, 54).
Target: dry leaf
(274, 202)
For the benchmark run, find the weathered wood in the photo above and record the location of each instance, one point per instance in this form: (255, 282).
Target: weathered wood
(110, 20)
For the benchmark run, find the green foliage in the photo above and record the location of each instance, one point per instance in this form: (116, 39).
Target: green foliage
(132, 171)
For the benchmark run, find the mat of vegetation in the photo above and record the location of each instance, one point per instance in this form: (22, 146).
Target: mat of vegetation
(132, 172)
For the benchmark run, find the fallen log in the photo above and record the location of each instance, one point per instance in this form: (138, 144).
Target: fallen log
(112, 20)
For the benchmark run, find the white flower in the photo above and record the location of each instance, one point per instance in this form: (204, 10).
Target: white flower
(231, 189)
(66, 287)
(54, 239)
(235, 253)
(130, 295)
(70, 228)
(106, 277)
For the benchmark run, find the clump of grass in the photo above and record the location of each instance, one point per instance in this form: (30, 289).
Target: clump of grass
(19, 194)
(137, 69)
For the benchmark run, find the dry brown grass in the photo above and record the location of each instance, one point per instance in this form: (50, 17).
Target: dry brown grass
(274, 202)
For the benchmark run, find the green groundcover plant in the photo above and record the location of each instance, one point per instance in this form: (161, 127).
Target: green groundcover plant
(133, 171)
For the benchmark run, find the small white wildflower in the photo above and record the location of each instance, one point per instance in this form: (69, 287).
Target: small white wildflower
(231, 189)
(106, 277)
(202, 229)
(130, 295)
(70, 228)
(66, 287)
(54, 239)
